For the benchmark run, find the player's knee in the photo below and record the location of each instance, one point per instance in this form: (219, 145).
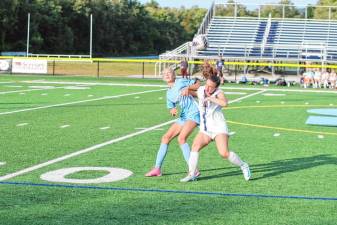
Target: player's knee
(224, 154)
(196, 146)
(181, 139)
(166, 139)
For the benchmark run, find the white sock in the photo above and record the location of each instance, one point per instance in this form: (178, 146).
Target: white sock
(193, 162)
(235, 159)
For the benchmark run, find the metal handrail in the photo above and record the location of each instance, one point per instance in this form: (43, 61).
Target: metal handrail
(206, 21)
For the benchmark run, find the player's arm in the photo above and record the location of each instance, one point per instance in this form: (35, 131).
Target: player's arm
(191, 88)
(219, 99)
(172, 108)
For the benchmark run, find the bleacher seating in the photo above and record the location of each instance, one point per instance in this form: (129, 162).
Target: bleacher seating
(283, 39)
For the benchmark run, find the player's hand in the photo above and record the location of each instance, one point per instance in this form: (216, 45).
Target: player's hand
(173, 112)
(184, 92)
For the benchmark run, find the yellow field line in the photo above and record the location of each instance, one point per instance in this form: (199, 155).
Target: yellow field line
(282, 128)
(174, 61)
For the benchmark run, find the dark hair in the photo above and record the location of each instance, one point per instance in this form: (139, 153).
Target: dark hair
(215, 79)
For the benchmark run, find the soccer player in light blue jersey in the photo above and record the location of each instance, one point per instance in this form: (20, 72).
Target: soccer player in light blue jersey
(177, 95)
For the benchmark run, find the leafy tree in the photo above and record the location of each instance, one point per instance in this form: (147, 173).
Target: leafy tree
(323, 12)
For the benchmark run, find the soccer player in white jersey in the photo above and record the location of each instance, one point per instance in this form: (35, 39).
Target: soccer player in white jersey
(212, 127)
(189, 118)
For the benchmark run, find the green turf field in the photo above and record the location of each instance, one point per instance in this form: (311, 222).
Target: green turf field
(50, 123)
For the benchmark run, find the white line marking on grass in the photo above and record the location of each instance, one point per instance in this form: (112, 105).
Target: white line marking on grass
(66, 95)
(273, 95)
(82, 151)
(2, 163)
(78, 102)
(279, 89)
(276, 134)
(28, 90)
(234, 93)
(98, 146)
(76, 88)
(330, 104)
(232, 133)
(22, 93)
(104, 128)
(96, 83)
(137, 97)
(42, 87)
(64, 126)
(22, 124)
(158, 85)
(14, 86)
(143, 128)
(307, 103)
(44, 94)
(247, 96)
(320, 136)
(6, 82)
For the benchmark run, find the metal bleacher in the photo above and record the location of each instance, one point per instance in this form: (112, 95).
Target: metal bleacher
(285, 39)
(258, 38)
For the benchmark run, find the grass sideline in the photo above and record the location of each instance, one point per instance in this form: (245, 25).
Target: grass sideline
(293, 164)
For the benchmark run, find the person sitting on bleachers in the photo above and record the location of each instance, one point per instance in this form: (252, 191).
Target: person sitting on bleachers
(332, 79)
(317, 78)
(307, 78)
(243, 80)
(219, 66)
(325, 78)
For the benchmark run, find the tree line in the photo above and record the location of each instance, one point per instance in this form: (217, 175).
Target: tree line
(120, 27)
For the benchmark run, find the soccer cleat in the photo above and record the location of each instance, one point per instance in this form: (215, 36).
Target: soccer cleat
(155, 172)
(197, 173)
(189, 178)
(246, 171)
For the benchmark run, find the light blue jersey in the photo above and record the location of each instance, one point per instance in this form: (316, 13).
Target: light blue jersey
(188, 107)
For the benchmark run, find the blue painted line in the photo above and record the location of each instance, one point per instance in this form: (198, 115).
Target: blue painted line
(170, 191)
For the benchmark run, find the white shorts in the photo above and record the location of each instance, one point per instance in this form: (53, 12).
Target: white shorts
(212, 135)
(213, 131)
(215, 124)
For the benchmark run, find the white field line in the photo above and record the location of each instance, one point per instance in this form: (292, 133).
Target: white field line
(27, 90)
(95, 147)
(22, 124)
(77, 102)
(247, 96)
(281, 90)
(158, 85)
(95, 83)
(80, 152)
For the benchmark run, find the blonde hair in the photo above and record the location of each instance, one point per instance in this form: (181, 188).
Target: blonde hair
(169, 70)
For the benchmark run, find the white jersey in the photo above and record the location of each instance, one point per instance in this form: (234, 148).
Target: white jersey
(212, 120)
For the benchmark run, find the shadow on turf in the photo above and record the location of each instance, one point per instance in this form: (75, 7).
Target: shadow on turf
(275, 168)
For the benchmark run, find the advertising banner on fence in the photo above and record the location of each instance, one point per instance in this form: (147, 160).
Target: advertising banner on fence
(5, 65)
(29, 66)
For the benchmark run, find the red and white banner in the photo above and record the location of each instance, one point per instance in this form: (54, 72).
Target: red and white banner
(29, 66)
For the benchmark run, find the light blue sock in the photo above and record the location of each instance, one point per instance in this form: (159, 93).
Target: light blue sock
(186, 151)
(161, 154)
